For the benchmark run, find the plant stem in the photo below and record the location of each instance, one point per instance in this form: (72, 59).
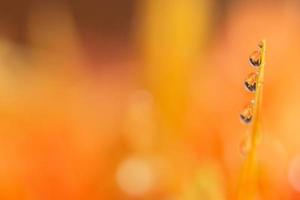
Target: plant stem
(248, 178)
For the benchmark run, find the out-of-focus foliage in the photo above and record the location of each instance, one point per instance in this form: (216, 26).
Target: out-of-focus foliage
(141, 100)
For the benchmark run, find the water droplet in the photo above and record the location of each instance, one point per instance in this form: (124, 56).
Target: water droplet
(245, 145)
(260, 44)
(247, 114)
(250, 82)
(255, 58)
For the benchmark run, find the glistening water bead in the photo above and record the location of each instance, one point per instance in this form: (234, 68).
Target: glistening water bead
(247, 114)
(260, 44)
(250, 82)
(255, 58)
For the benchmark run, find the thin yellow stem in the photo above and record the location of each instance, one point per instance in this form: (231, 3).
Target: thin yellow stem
(248, 179)
(258, 98)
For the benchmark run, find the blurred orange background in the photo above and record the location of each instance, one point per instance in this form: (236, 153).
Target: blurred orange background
(140, 100)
